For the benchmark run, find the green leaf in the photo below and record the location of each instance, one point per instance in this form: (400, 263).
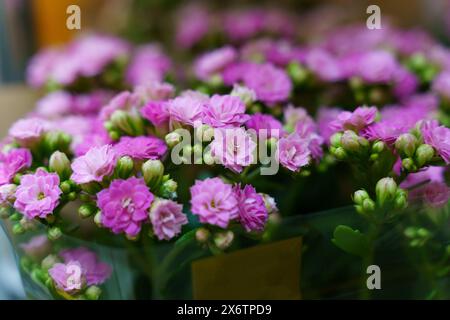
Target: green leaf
(351, 241)
(186, 237)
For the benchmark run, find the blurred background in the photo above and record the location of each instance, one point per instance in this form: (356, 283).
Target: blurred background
(29, 25)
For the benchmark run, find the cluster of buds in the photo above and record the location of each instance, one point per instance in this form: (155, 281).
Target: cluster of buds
(349, 144)
(388, 198)
(124, 123)
(414, 154)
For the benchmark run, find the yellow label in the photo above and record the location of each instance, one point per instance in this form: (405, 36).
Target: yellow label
(269, 271)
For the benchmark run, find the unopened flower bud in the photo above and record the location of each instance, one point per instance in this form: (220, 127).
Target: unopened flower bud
(339, 153)
(54, 233)
(269, 203)
(406, 144)
(18, 229)
(335, 139)
(60, 164)
(351, 142)
(208, 158)
(409, 164)
(378, 147)
(247, 95)
(410, 232)
(27, 224)
(153, 171)
(49, 261)
(86, 210)
(65, 187)
(423, 233)
(202, 235)
(169, 189)
(386, 190)
(297, 72)
(424, 153)
(98, 219)
(172, 139)
(401, 199)
(368, 205)
(223, 240)
(124, 167)
(93, 293)
(359, 196)
(121, 120)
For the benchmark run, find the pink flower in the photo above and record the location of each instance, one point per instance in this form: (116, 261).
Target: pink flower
(224, 111)
(167, 218)
(193, 24)
(252, 211)
(154, 91)
(54, 104)
(441, 84)
(156, 112)
(140, 147)
(7, 194)
(243, 24)
(26, 131)
(377, 66)
(94, 271)
(13, 162)
(68, 277)
(436, 194)
(438, 137)
(293, 152)
(38, 194)
(270, 84)
(260, 121)
(325, 117)
(234, 148)
(37, 247)
(214, 62)
(89, 141)
(214, 202)
(122, 101)
(97, 163)
(149, 64)
(324, 65)
(306, 131)
(40, 66)
(187, 109)
(124, 205)
(356, 120)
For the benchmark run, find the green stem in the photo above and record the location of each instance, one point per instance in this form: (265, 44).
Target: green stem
(368, 259)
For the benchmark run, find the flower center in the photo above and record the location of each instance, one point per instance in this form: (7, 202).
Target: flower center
(40, 196)
(128, 204)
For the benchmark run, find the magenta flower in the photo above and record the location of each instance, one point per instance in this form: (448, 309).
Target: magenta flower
(441, 84)
(270, 84)
(141, 147)
(438, 137)
(124, 205)
(38, 194)
(167, 218)
(260, 121)
(89, 141)
(40, 66)
(243, 24)
(224, 111)
(156, 112)
(325, 117)
(37, 247)
(324, 65)
(68, 277)
(148, 65)
(154, 91)
(293, 152)
(187, 109)
(376, 66)
(54, 104)
(436, 194)
(122, 101)
(193, 24)
(253, 213)
(234, 148)
(214, 202)
(96, 164)
(94, 271)
(90, 103)
(13, 162)
(306, 131)
(212, 63)
(27, 131)
(356, 120)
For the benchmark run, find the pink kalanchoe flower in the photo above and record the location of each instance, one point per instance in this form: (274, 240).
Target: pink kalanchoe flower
(149, 64)
(212, 63)
(436, 194)
(89, 141)
(54, 104)
(37, 247)
(27, 131)
(122, 101)
(224, 111)
(356, 120)
(90, 103)
(38, 194)
(324, 65)
(325, 117)
(94, 271)
(187, 108)
(96, 164)
(40, 66)
(307, 131)
(193, 24)
(376, 67)
(293, 152)
(214, 202)
(12, 162)
(259, 121)
(66, 277)
(141, 148)
(270, 84)
(234, 148)
(235, 72)
(167, 218)
(124, 205)
(252, 212)
(156, 112)
(438, 137)
(441, 84)
(243, 24)
(154, 91)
